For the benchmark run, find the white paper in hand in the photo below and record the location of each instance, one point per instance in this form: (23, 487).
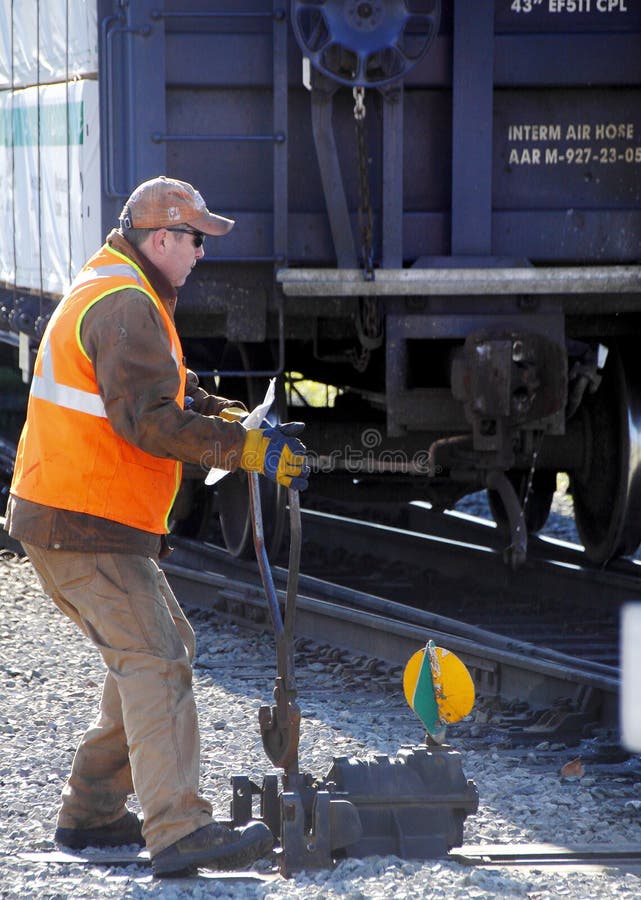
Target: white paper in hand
(253, 420)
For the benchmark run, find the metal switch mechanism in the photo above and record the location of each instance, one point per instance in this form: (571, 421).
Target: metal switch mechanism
(412, 805)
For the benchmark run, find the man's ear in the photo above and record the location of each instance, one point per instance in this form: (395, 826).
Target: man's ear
(159, 240)
(155, 246)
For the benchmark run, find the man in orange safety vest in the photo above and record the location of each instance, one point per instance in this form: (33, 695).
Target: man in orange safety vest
(113, 413)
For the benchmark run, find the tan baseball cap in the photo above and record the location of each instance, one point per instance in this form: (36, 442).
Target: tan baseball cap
(163, 202)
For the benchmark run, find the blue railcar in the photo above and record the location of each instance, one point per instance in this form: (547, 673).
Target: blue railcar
(438, 217)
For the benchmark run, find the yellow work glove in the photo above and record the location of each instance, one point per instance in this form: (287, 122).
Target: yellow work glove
(277, 453)
(233, 414)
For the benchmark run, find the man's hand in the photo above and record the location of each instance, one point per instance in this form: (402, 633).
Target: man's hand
(233, 414)
(277, 453)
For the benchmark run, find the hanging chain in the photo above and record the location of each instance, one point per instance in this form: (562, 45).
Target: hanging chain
(368, 318)
(538, 440)
(365, 215)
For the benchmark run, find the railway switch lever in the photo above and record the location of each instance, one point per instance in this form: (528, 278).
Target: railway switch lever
(412, 805)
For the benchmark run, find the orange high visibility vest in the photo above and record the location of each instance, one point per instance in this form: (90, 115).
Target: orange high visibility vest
(69, 456)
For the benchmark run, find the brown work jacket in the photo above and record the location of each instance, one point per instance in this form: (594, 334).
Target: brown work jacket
(128, 345)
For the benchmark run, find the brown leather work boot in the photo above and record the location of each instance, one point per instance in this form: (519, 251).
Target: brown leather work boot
(125, 830)
(214, 846)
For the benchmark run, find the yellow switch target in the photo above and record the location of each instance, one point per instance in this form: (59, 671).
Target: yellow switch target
(438, 687)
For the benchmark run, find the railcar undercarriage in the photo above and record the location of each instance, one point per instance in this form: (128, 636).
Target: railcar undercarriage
(437, 207)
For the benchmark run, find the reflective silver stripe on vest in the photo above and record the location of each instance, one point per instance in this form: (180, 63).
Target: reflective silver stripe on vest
(118, 270)
(68, 397)
(45, 387)
(124, 271)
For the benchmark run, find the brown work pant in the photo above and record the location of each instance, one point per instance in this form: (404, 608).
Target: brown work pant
(145, 737)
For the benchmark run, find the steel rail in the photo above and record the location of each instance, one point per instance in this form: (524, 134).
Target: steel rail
(330, 592)
(601, 855)
(383, 629)
(552, 568)
(457, 525)
(625, 856)
(374, 626)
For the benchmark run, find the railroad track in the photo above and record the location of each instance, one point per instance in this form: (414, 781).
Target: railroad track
(626, 858)
(384, 632)
(486, 856)
(570, 688)
(440, 551)
(545, 636)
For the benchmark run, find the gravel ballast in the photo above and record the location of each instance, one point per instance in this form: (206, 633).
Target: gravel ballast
(50, 684)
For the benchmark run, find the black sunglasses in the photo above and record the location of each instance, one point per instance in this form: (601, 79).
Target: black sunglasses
(198, 236)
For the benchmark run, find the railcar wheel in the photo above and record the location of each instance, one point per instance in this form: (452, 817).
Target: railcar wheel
(233, 491)
(606, 487)
(539, 501)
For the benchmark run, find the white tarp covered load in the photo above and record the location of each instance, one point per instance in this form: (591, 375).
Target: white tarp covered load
(38, 37)
(50, 221)
(5, 43)
(6, 194)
